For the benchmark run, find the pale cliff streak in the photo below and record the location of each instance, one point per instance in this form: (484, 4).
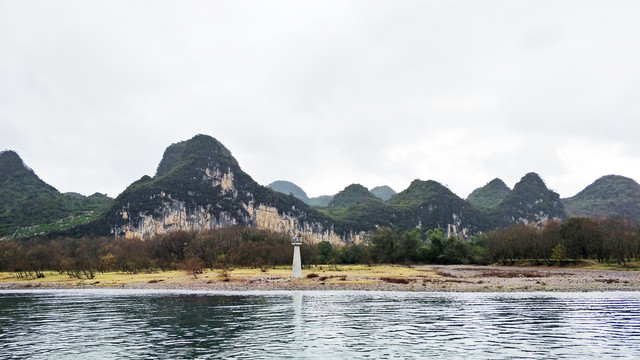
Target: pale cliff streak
(175, 216)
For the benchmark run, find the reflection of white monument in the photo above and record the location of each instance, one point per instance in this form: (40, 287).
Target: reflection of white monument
(297, 262)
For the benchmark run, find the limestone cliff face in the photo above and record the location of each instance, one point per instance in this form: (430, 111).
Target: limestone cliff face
(173, 216)
(456, 228)
(176, 216)
(268, 217)
(200, 186)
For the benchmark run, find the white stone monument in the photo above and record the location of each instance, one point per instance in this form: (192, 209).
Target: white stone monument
(297, 262)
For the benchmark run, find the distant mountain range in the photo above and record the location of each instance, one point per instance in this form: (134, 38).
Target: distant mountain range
(199, 185)
(289, 188)
(286, 187)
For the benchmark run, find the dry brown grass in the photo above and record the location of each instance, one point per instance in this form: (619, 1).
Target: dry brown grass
(394, 280)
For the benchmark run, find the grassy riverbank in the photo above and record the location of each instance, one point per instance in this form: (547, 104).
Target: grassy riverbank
(588, 277)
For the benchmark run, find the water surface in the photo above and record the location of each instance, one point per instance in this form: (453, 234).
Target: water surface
(115, 324)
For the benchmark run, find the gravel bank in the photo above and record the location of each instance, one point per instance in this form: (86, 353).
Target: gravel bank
(459, 278)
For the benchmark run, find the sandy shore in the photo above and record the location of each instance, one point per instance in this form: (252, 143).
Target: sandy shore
(459, 278)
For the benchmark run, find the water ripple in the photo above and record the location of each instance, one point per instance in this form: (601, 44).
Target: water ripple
(110, 324)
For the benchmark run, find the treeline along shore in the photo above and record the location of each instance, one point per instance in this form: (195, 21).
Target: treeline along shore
(556, 244)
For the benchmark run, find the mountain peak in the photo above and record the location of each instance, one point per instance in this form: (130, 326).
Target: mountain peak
(287, 187)
(531, 201)
(383, 192)
(610, 195)
(10, 162)
(351, 195)
(26, 200)
(420, 191)
(202, 151)
(199, 185)
(9, 155)
(428, 186)
(199, 172)
(531, 179)
(610, 186)
(490, 195)
(497, 183)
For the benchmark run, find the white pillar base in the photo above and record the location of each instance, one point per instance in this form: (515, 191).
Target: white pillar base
(297, 263)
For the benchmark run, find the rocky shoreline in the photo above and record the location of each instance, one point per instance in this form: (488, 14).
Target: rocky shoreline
(440, 278)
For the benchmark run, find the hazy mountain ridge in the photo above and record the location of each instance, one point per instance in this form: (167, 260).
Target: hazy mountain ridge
(289, 188)
(198, 184)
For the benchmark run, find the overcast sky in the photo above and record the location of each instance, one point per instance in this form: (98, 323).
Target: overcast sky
(325, 93)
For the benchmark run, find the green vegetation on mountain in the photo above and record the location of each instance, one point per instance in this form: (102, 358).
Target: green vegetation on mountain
(192, 172)
(25, 200)
(29, 206)
(383, 192)
(185, 175)
(421, 192)
(79, 203)
(351, 195)
(356, 206)
(431, 205)
(609, 196)
(171, 157)
(530, 201)
(200, 175)
(490, 195)
(321, 201)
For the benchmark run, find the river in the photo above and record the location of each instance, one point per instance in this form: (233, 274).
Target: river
(117, 324)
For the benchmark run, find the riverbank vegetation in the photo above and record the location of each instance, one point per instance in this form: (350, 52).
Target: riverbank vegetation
(574, 240)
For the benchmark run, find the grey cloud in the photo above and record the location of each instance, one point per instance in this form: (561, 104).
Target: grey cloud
(323, 94)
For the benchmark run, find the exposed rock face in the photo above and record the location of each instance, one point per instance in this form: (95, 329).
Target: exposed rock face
(200, 186)
(176, 216)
